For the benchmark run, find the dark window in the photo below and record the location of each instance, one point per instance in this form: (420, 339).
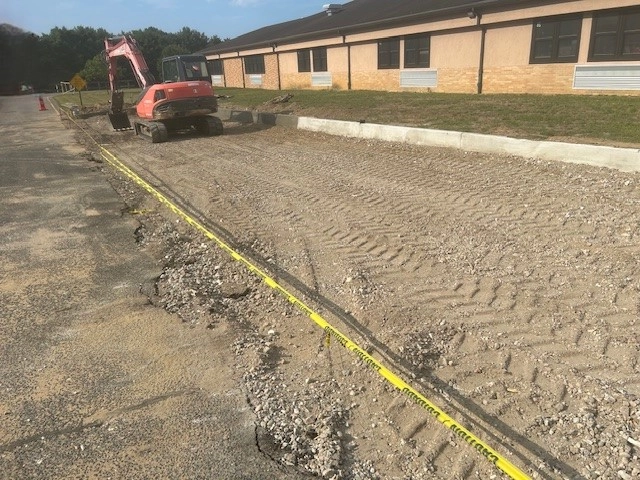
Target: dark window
(320, 59)
(389, 53)
(170, 72)
(615, 35)
(254, 64)
(216, 67)
(556, 40)
(304, 60)
(416, 51)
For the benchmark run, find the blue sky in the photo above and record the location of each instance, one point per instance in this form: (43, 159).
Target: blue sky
(225, 18)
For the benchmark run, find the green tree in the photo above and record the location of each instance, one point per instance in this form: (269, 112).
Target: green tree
(190, 40)
(156, 44)
(19, 51)
(152, 41)
(64, 52)
(44, 61)
(174, 49)
(95, 69)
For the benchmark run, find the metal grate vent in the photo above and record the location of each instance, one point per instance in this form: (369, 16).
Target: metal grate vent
(606, 77)
(255, 79)
(415, 79)
(321, 79)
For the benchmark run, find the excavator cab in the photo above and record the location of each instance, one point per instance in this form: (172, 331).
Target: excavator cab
(185, 68)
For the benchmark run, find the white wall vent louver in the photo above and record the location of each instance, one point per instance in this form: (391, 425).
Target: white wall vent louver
(606, 77)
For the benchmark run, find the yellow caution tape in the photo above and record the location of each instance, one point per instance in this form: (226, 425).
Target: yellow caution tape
(460, 431)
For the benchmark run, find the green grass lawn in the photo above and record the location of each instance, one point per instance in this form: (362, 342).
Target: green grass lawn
(605, 119)
(94, 98)
(589, 118)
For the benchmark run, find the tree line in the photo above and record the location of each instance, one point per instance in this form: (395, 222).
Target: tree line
(43, 61)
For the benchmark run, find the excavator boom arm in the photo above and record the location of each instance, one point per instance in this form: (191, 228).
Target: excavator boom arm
(127, 47)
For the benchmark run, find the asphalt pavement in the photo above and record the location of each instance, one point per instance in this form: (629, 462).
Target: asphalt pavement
(96, 382)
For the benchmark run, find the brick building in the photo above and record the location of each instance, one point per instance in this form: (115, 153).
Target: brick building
(463, 46)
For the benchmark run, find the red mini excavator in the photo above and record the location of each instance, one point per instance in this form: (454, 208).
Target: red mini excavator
(182, 101)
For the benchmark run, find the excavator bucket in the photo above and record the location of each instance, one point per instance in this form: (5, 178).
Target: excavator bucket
(120, 121)
(117, 116)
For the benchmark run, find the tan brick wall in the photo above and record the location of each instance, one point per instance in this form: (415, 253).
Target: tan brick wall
(376, 80)
(296, 81)
(233, 72)
(553, 78)
(457, 80)
(301, 81)
(450, 80)
(340, 80)
(507, 68)
(547, 78)
(270, 77)
(337, 65)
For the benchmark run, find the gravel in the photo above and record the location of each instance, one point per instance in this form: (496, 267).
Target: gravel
(346, 423)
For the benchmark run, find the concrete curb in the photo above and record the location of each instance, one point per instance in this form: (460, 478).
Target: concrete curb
(624, 159)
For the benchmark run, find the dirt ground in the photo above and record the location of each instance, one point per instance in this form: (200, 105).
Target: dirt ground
(95, 381)
(505, 289)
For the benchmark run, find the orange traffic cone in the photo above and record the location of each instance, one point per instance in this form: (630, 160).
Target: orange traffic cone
(42, 106)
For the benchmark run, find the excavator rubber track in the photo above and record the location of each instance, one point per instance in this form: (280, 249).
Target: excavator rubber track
(158, 131)
(208, 126)
(155, 131)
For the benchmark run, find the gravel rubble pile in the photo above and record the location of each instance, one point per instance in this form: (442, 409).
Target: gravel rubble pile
(309, 426)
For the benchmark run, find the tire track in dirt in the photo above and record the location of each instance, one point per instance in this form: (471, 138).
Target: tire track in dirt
(487, 292)
(500, 249)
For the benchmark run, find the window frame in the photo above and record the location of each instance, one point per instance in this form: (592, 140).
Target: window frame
(389, 57)
(304, 60)
(254, 65)
(620, 33)
(418, 49)
(555, 39)
(319, 55)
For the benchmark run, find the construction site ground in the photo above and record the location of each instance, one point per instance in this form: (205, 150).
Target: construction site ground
(505, 289)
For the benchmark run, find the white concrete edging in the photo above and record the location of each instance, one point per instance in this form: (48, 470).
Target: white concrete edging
(624, 159)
